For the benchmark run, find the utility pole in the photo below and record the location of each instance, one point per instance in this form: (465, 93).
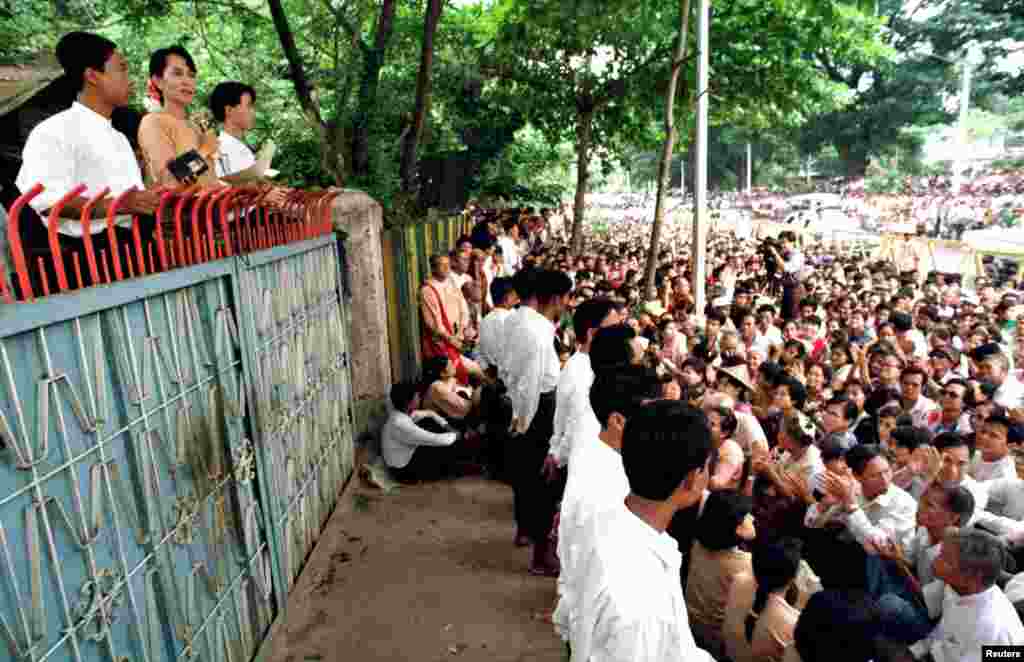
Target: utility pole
(965, 100)
(700, 177)
(750, 168)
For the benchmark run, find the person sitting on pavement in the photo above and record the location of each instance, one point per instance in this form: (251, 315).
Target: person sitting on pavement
(759, 621)
(972, 611)
(413, 452)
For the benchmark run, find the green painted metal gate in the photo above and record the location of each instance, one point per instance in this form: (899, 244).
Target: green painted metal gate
(171, 448)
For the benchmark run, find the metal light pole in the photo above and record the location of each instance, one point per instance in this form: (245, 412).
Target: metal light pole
(700, 177)
(965, 100)
(750, 168)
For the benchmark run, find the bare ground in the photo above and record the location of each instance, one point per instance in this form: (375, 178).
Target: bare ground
(427, 574)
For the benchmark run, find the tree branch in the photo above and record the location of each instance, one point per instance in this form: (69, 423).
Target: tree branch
(303, 89)
(385, 26)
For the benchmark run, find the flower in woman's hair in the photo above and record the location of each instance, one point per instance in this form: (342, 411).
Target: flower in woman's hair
(152, 99)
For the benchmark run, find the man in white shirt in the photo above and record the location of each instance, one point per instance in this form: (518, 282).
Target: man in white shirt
(631, 605)
(492, 326)
(412, 452)
(902, 618)
(920, 408)
(994, 368)
(875, 514)
(597, 480)
(971, 609)
(234, 105)
(508, 243)
(532, 368)
(80, 146)
(571, 395)
(993, 460)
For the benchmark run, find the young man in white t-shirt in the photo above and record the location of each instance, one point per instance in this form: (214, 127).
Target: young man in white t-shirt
(233, 104)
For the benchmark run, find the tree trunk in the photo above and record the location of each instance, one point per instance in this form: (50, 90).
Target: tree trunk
(361, 123)
(407, 165)
(373, 62)
(855, 160)
(665, 163)
(304, 91)
(584, 136)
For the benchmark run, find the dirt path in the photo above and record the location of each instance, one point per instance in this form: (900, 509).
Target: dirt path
(425, 575)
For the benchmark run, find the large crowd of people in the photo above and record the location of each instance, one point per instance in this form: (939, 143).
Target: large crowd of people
(819, 463)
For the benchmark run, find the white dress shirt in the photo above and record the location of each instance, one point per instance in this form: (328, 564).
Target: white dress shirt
(531, 363)
(967, 623)
(632, 607)
(78, 146)
(572, 399)
(510, 256)
(597, 481)
(400, 437)
(1010, 394)
(891, 516)
(922, 554)
(492, 339)
(1006, 497)
(985, 471)
(235, 155)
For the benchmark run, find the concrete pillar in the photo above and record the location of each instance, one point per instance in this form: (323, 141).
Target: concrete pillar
(360, 217)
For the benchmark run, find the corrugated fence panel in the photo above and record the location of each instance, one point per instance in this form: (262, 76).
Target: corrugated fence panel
(137, 520)
(407, 251)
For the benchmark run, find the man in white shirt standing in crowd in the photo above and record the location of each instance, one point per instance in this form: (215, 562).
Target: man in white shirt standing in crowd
(994, 368)
(631, 608)
(597, 480)
(80, 146)
(509, 244)
(492, 327)
(574, 382)
(532, 367)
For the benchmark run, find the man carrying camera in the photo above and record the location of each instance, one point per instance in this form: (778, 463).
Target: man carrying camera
(791, 259)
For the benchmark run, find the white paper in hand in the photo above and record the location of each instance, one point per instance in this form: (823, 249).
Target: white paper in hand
(261, 168)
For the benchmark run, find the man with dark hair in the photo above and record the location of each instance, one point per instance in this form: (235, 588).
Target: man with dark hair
(875, 514)
(509, 247)
(233, 104)
(575, 380)
(533, 370)
(492, 326)
(994, 461)
(81, 146)
(411, 451)
(597, 480)
(941, 507)
(838, 415)
(632, 606)
(923, 411)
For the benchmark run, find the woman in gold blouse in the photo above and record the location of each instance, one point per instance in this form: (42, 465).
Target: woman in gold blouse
(168, 133)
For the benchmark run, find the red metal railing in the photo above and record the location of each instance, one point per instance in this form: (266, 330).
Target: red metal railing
(192, 226)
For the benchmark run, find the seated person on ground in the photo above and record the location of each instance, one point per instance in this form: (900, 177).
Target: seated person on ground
(715, 561)
(443, 394)
(410, 450)
(971, 609)
(759, 621)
